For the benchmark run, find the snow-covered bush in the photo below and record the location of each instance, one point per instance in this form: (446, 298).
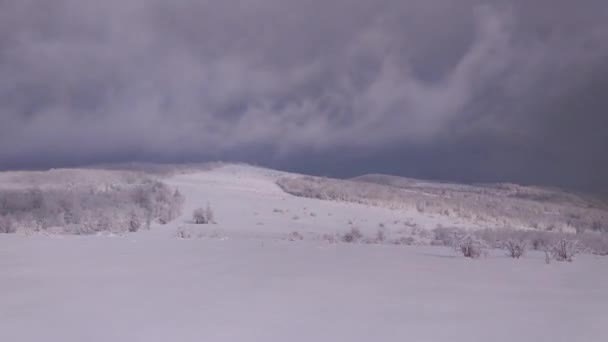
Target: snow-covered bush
(408, 241)
(209, 213)
(380, 235)
(199, 216)
(134, 222)
(354, 235)
(183, 233)
(203, 215)
(516, 248)
(295, 236)
(468, 245)
(6, 225)
(445, 236)
(329, 238)
(594, 242)
(565, 249)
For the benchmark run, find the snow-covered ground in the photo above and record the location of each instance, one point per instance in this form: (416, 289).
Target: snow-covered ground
(242, 280)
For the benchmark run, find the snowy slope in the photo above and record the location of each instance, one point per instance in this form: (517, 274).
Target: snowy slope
(241, 280)
(247, 202)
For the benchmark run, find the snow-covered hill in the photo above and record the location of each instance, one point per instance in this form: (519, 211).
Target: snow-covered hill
(275, 267)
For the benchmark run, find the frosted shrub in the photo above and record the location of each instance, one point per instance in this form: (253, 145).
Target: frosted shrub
(199, 216)
(183, 234)
(134, 223)
(353, 235)
(468, 245)
(380, 236)
(565, 250)
(408, 241)
(595, 242)
(203, 215)
(295, 236)
(516, 248)
(445, 236)
(6, 225)
(538, 243)
(209, 213)
(329, 238)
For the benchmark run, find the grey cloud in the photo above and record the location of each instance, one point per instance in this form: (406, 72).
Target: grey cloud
(277, 81)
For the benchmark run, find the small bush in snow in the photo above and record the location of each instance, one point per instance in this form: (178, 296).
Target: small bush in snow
(353, 235)
(295, 236)
(445, 236)
(209, 213)
(516, 248)
(199, 216)
(6, 225)
(565, 250)
(538, 243)
(380, 236)
(408, 241)
(203, 215)
(134, 223)
(468, 245)
(183, 234)
(330, 238)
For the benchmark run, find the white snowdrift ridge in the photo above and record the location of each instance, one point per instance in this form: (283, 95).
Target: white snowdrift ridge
(241, 279)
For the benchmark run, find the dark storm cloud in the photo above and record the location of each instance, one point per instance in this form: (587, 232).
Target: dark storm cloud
(466, 89)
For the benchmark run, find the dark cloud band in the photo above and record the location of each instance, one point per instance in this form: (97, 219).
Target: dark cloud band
(466, 90)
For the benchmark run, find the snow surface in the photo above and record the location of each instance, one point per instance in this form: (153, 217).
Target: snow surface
(241, 280)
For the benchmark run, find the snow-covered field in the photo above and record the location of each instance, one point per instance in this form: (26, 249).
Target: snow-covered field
(242, 279)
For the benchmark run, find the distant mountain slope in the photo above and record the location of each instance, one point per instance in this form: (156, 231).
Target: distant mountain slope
(535, 193)
(490, 205)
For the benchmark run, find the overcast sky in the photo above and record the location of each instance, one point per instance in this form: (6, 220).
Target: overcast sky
(464, 90)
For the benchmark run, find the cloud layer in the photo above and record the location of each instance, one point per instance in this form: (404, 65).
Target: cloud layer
(467, 89)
